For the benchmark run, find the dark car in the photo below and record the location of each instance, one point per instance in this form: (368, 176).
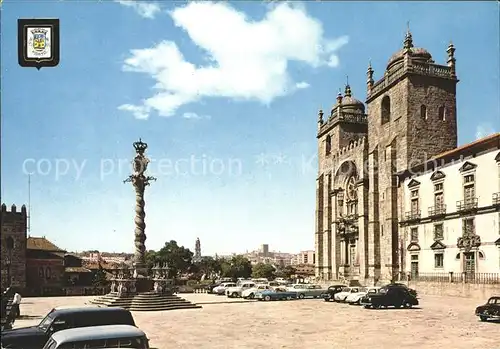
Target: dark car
(332, 290)
(490, 310)
(397, 284)
(390, 296)
(62, 319)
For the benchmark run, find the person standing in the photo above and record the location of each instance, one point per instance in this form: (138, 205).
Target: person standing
(16, 302)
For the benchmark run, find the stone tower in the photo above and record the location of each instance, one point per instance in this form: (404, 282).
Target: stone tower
(411, 118)
(197, 251)
(340, 154)
(13, 246)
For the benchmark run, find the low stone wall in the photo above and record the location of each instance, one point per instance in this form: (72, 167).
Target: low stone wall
(467, 290)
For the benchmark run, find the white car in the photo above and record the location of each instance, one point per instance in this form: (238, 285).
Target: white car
(346, 291)
(250, 293)
(355, 298)
(221, 289)
(235, 292)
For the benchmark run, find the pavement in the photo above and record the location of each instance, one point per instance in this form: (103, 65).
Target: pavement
(222, 323)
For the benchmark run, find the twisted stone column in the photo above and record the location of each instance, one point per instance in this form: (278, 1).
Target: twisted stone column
(140, 182)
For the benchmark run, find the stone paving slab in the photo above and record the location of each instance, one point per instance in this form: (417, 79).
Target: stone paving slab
(440, 322)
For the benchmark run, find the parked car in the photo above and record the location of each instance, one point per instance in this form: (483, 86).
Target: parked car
(307, 290)
(390, 296)
(275, 295)
(111, 336)
(490, 310)
(221, 289)
(397, 284)
(235, 292)
(250, 293)
(331, 291)
(355, 298)
(346, 291)
(62, 319)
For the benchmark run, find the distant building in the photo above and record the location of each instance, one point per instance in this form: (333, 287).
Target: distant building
(197, 251)
(13, 246)
(264, 249)
(305, 257)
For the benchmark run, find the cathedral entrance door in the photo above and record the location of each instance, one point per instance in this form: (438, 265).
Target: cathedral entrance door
(352, 254)
(469, 265)
(414, 266)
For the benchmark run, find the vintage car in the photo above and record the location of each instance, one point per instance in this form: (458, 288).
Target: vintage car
(490, 310)
(346, 291)
(221, 289)
(235, 292)
(390, 296)
(331, 291)
(250, 293)
(307, 290)
(276, 294)
(355, 298)
(397, 284)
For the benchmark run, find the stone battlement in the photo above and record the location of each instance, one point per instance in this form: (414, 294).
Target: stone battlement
(13, 209)
(353, 147)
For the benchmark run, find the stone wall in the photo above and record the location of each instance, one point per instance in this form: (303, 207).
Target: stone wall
(481, 292)
(13, 260)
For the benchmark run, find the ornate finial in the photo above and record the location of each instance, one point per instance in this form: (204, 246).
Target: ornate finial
(408, 43)
(339, 96)
(347, 91)
(320, 116)
(369, 76)
(140, 147)
(451, 59)
(451, 50)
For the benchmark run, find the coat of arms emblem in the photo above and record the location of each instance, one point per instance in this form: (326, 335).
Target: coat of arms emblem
(38, 42)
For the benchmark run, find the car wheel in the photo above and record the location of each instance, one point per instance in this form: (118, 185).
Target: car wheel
(302, 296)
(367, 306)
(234, 295)
(267, 298)
(483, 318)
(407, 305)
(251, 296)
(376, 306)
(327, 299)
(289, 298)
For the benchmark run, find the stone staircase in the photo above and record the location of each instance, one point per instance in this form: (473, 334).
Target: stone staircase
(146, 301)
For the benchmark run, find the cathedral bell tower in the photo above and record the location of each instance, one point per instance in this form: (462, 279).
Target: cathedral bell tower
(411, 118)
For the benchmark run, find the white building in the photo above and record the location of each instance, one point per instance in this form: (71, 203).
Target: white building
(304, 257)
(451, 212)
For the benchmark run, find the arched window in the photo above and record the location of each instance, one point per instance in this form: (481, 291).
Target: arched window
(47, 273)
(328, 146)
(9, 243)
(423, 112)
(442, 113)
(386, 110)
(41, 273)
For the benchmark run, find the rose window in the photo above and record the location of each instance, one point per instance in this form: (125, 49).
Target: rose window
(351, 189)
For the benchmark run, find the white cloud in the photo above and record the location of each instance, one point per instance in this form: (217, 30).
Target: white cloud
(139, 112)
(483, 130)
(302, 84)
(248, 59)
(143, 8)
(191, 115)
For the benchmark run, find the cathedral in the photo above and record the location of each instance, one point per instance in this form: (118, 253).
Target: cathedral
(372, 157)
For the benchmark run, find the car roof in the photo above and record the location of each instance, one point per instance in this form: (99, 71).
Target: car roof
(96, 332)
(63, 311)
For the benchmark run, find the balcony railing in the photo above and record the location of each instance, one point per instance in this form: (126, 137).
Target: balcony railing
(466, 205)
(451, 277)
(496, 198)
(413, 215)
(437, 210)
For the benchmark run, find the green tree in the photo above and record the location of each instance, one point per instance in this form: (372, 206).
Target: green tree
(208, 266)
(99, 279)
(178, 258)
(236, 267)
(262, 270)
(286, 272)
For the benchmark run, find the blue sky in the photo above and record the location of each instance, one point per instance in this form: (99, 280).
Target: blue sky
(226, 97)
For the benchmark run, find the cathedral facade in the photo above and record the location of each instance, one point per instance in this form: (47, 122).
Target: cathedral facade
(365, 156)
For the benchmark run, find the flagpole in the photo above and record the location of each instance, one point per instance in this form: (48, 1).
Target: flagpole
(29, 202)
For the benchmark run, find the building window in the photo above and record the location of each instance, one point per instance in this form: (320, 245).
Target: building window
(47, 273)
(423, 112)
(438, 196)
(468, 226)
(438, 260)
(438, 231)
(442, 113)
(414, 201)
(328, 145)
(414, 234)
(385, 110)
(9, 242)
(469, 189)
(41, 273)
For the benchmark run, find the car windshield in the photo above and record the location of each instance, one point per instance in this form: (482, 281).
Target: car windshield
(372, 290)
(383, 290)
(346, 289)
(45, 323)
(494, 301)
